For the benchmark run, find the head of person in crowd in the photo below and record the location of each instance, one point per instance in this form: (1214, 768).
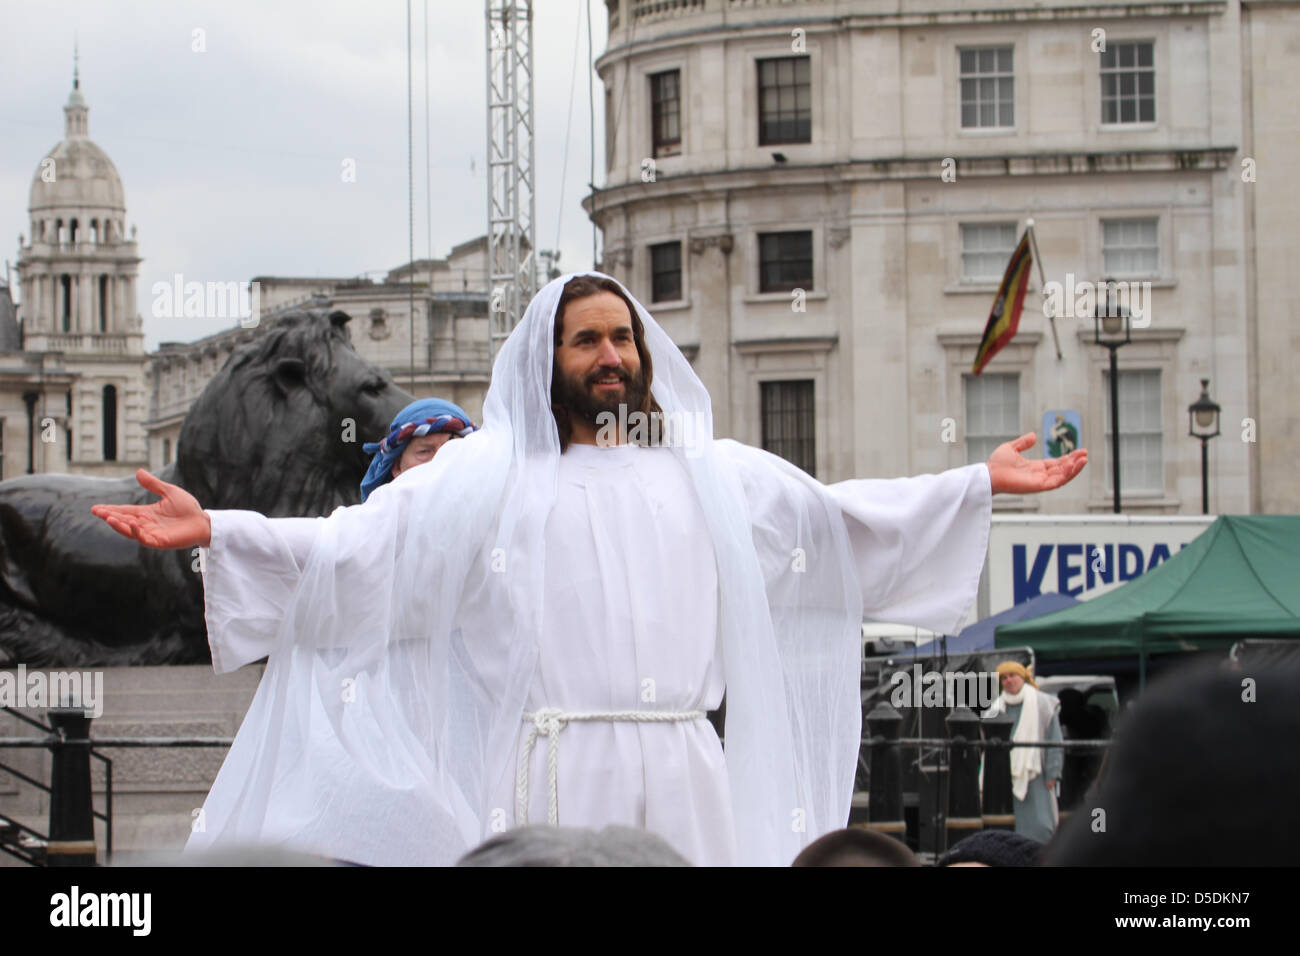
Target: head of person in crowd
(1203, 772)
(541, 845)
(1014, 676)
(415, 436)
(856, 846)
(993, 848)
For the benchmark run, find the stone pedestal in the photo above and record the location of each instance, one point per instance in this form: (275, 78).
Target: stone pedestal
(155, 790)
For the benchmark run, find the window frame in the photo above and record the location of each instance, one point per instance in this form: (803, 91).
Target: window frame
(1107, 272)
(681, 271)
(992, 278)
(999, 126)
(760, 62)
(1127, 431)
(763, 287)
(660, 149)
(1104, 71)
(997, 437)
(807, 416)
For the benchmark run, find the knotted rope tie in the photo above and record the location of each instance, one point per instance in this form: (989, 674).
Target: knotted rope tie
(550, 721)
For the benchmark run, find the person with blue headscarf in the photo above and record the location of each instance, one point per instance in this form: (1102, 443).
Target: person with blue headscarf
(416, 434)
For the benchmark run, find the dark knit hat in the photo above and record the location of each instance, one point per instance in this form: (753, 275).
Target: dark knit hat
(994, 848)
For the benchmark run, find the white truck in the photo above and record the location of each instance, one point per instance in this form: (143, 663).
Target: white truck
(1079, 555)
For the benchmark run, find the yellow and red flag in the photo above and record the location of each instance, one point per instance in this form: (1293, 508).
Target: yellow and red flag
(1004, 318)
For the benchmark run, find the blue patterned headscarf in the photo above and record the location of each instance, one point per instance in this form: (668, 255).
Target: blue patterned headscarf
(428, 416)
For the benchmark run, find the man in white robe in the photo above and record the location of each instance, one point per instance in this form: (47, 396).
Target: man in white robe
(586, 608)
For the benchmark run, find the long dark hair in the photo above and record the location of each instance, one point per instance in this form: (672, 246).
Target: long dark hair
(581, 287)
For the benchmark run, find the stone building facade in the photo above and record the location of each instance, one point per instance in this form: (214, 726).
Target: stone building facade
(426, 324)
(817, 199)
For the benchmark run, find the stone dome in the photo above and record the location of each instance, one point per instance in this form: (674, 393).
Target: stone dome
(84, 176)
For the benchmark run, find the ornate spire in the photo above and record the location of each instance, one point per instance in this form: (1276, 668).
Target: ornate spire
(75, 122)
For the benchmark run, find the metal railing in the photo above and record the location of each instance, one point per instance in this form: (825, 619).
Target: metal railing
(71, 836)
(966, 777)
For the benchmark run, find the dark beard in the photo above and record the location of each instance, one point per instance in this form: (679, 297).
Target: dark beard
(584, 405)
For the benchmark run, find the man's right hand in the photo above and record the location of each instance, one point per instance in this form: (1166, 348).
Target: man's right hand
(177, 521)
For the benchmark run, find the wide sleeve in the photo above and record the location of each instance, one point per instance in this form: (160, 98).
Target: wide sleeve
(250, 573)
(919, 544)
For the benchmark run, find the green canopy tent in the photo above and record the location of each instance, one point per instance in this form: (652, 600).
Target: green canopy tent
(1239, 579)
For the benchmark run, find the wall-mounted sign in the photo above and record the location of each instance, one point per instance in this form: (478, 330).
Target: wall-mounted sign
(1062, 429)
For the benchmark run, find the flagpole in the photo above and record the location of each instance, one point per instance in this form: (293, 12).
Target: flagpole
(1042, 282)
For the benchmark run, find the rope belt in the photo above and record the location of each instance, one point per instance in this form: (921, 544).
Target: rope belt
(550, 721)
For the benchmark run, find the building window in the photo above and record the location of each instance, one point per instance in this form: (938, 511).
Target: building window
(103, 303)
(986, 248)
(65, 287)
(610, 130)
(784, 101)
(785, 261)
(68, 434)
(1130, 247)
(666, 272)
(992, 413)
(987, 88)
(110, 423)
(1141, 465)
(167, 451)
(789, 423)
(666, 112)
(1128, 83)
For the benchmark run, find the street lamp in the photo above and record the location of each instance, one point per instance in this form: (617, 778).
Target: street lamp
(1203, 423)
(1113, 331)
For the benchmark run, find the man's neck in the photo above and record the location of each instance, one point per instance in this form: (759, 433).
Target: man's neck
(583, 433)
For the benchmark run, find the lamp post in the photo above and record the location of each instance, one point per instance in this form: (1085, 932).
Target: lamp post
(1203, 423)
(1112, 331)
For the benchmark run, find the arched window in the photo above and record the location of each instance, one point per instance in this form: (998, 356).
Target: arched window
(110, 423)
(73, 229)
(103, 303)
(65, 286)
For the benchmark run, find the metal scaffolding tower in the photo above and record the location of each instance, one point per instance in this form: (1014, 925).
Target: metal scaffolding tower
(512, 271)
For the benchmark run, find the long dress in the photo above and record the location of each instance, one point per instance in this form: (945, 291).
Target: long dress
(630, 624)
(1036, 815)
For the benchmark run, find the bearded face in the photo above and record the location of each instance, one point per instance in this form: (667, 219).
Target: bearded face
(604, 390)
(597, 364)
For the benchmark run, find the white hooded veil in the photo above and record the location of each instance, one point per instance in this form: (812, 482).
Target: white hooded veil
(384, 723)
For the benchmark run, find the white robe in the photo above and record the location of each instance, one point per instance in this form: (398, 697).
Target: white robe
(630, 622)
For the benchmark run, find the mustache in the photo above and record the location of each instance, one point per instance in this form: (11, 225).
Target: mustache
(594, 377)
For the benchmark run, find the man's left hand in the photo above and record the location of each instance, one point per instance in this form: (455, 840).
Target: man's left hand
(1013, 474)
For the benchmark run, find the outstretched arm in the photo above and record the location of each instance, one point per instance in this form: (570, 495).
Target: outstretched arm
(251, 571)
(1012, 474)
(174, 521)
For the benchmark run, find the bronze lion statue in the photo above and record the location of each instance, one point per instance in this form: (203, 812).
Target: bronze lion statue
(269, 433)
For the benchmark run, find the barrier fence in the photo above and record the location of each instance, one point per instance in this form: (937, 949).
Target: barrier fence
(71, 837)
(968, 805)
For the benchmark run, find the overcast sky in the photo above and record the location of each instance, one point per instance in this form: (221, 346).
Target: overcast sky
(232, 157)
